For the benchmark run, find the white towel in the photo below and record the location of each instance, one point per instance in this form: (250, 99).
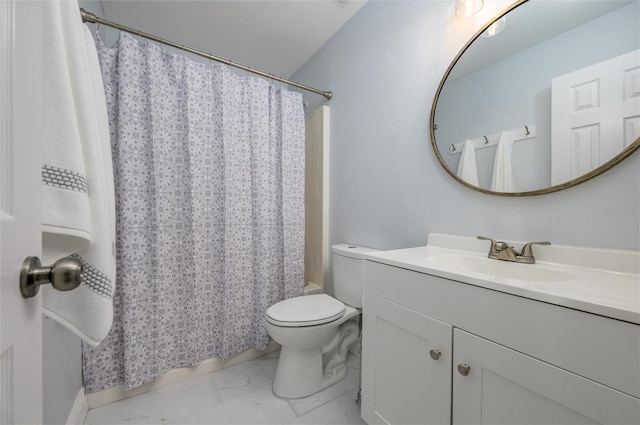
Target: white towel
(467, 168)
(503, 179)
(78, 210)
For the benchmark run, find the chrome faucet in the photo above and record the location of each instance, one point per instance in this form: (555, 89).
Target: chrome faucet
(502, 251)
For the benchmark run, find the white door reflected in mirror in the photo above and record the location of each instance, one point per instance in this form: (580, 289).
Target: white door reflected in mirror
(595, 115)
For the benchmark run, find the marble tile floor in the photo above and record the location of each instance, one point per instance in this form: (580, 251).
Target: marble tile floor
(239, 394)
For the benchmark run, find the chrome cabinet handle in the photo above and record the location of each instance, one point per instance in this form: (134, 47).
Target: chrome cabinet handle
(64, 275)
(435, 354)
(464, 369)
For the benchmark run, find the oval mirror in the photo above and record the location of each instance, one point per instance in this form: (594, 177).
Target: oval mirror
(548, 101)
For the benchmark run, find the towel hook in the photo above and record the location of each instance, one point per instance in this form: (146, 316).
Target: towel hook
(486, 141)
(527, 129)
(453, 148)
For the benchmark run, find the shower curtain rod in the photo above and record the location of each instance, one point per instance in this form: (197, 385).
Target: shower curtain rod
(93, 19)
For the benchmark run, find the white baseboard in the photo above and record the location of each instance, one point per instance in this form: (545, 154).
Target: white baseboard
(79, 409)
(118, 392)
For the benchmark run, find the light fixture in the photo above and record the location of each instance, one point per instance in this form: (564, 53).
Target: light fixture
(467, 8)
(495, 28)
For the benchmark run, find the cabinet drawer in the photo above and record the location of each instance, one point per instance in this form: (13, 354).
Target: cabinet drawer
(598, 348)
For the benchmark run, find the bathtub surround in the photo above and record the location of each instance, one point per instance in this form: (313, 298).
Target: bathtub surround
(209, 171)
(316, 197)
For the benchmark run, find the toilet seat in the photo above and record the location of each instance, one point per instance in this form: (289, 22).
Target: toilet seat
(308, 310)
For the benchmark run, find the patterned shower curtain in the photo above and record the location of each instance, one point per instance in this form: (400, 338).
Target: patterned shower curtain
(209, 176)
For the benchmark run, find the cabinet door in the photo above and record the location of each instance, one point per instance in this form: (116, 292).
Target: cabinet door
(401, 382)
(507, 387)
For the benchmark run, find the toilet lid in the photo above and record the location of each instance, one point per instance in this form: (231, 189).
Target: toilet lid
(307, 310)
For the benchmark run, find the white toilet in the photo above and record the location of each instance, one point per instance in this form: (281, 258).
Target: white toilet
(315, 331)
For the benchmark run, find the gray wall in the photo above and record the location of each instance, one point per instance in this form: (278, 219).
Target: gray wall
(62, 371)
(387, 188)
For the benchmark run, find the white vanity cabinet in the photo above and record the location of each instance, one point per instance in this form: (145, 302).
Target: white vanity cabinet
(408, 366)
(528, 361)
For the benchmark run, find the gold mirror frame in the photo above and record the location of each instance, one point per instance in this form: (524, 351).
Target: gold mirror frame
(593, 173)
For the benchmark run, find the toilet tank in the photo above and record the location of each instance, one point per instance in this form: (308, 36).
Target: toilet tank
(348, 273)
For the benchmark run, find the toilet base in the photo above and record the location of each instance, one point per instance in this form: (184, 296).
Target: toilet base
(299, 373)
(333, 376)
(313, 358)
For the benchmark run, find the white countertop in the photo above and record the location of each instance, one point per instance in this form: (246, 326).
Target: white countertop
(598, 281)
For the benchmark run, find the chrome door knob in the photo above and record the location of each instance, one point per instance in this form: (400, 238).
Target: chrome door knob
(464, 369)
(64, 275)
(435, 354)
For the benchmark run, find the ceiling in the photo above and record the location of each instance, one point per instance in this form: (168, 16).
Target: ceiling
(275, 36)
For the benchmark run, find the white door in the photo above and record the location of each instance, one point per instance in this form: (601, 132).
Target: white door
(595, 115)
(20, 136)
(406, 366)
(503, 386)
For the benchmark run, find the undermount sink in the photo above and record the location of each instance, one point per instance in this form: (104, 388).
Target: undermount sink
(497, 269)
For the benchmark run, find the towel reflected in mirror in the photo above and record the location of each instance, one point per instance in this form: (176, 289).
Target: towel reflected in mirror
(503, 179)
(467, 168)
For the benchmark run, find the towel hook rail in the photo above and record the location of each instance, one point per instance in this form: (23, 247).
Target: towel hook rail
(492, 139)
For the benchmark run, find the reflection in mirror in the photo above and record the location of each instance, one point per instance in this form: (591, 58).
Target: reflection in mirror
(544, 102)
